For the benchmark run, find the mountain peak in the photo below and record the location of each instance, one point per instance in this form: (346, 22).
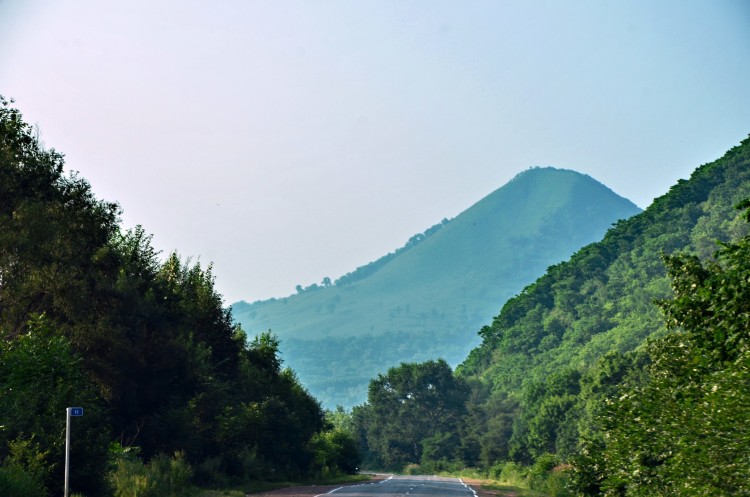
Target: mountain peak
(428, 298)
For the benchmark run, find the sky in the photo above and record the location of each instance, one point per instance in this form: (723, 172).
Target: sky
(286, 141)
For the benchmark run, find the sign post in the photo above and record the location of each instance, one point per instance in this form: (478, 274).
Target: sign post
(70, 411)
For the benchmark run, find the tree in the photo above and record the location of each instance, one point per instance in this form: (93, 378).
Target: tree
(487, 427)
(89, 312)
(54, 233)
(334, 452)
(40, 377)
(410, 404)
(267, 422)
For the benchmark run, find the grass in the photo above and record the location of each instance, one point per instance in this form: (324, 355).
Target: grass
(497, 488)
(220, 493)
(502, 490)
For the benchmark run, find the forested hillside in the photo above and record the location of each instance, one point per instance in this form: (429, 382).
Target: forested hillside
(540, 358)
(602, 300)
(427, 299)
(90, 316)
(629, 361)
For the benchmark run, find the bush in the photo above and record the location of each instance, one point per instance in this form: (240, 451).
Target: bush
(161, 477)
(511, 473)
(334, 453)
(211, 472)
(556, 482)
(544, 464)
(14, 481)
(442, 465)
(549, 476)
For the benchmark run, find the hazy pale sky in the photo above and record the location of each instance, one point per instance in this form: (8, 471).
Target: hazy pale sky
(286, 141)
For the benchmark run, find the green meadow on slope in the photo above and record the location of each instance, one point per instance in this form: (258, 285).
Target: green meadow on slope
(427, 299)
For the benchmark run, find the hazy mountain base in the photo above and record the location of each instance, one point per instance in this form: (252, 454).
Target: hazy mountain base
(345, 381)
(438, 289)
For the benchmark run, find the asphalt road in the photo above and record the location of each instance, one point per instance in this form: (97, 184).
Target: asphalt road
(413, 486)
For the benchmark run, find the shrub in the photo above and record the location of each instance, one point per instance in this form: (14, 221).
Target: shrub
(15, 481)
(556, 482)
(511, 473)
(544, 464)
(161, 477)
(549, 476)
(211, 472)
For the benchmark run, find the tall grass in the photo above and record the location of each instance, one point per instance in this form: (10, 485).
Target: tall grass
(547, 475)
(163, 476)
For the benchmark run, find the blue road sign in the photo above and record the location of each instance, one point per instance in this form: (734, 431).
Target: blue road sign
(76, 411)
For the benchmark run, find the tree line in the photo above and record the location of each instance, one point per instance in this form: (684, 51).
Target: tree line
(91, 316)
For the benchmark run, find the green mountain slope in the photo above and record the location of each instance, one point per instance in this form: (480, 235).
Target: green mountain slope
(542, 351)
(427, 299)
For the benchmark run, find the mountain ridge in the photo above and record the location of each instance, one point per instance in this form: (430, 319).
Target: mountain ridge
(444, 283)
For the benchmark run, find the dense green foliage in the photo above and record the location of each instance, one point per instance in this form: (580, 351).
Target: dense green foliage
(90, 316)
(412, 413)
(428, 298)
(16, 481)
(682, 430)
(39, 378)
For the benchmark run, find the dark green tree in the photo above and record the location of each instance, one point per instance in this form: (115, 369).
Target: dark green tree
(269, 427)
(40, 377)
(411, 405)
(156, 359)
(487, 428)
(335, 452)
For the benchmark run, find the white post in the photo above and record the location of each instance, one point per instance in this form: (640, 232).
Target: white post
(67, 448)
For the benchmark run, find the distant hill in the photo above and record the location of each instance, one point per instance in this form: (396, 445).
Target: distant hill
(427, 299)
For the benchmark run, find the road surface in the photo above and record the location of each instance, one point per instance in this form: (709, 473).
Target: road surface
(413, 486)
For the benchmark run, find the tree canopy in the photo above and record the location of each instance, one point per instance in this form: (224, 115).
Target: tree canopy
(683, 429)
(411, 411)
